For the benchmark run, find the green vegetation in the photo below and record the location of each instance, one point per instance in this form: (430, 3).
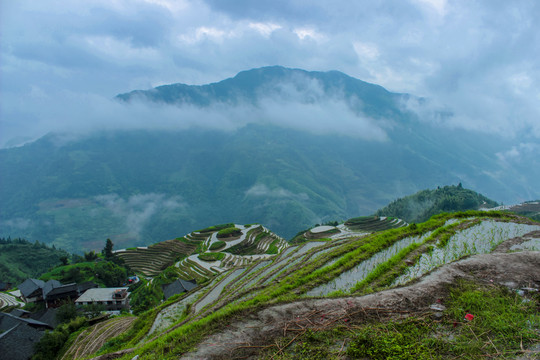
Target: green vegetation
(152, 260)
(229, 232)
(216, 245)
(211, 256)
(273, 249)
(215, 228)
(296, 283)
(245, 248)
(284, 281)
(51, 344)
(502, 325)
(373, 223)
(104, 273)
(21, 259)
(426, 203)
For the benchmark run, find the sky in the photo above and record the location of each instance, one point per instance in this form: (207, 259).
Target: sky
(62, 61)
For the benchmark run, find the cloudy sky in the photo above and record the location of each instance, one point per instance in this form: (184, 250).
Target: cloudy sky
(62, 61)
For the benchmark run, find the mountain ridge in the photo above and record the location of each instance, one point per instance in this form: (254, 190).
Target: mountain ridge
(137, 186)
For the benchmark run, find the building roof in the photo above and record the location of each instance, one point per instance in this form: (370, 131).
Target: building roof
(19, 341)
(177, 287)
(49, 286)
(7, 321)
(99, 294)
(47, 316)
(4, 285)
(20, 313)
(87, 285)
(61, 290)
(29, 286)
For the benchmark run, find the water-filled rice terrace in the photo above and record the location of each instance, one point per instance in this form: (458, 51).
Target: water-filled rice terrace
(8, 300)
(203, 254)
(358, 263)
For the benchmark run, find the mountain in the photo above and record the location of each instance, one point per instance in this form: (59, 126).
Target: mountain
(424, 204)
(284, 147)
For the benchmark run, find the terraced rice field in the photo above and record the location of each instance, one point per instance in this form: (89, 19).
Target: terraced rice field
(479, 239)
(92, 339)
(149, 261)
(8, 300)
(374, 223)
(348, 279)
(214, 294)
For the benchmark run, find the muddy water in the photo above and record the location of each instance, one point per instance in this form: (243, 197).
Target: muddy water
(479, 239)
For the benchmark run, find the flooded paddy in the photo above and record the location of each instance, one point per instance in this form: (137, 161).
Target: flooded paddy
(213, 295)
(479, 239)
(348, 279)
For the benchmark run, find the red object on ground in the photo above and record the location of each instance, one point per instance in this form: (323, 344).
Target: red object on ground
(469, 317)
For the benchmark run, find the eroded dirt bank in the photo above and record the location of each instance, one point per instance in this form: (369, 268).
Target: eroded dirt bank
(246, 337)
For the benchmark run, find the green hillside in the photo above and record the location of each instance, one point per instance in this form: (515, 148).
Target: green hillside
(21, 259)
(140, 187)
(335, 274)
(424, 204)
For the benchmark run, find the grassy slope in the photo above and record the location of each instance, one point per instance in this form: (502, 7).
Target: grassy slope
(297, 282)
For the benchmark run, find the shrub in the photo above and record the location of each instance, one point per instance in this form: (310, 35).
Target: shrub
(211, 256)
(229, 232)
(217, 245)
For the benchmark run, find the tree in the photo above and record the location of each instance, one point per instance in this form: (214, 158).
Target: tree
(66, 313)
(64, 260)
(90, 256)
(107, 250)
(111, 274)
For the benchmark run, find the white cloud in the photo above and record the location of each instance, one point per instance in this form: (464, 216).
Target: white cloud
(517, 154)
(477, 59)
(305, 33)
(439, 6)
(16, 223)
(265, 29)
(137, 210)
(366, 51)
(261, 190)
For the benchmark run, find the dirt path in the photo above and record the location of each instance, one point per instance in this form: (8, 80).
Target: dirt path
(242, 337)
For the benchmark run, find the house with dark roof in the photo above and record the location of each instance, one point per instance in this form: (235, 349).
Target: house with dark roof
(19, 342)
(60, 295)
(18, 336)
(179, 286)
(32, 290)
(4, 286)
(53, 292)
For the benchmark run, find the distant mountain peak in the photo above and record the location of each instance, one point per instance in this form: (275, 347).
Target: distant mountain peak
(278, 82)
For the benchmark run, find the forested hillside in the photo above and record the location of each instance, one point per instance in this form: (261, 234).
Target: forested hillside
(424, 204)
(275, 159)
(20, 259)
